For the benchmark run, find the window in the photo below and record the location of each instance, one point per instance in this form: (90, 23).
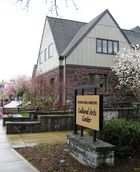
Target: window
(115, 47)
(52, 82)
(110, 47)
(41, 57)
(104, 46)
(50, 50)
(98, 79)
(99, 47)
(45, 54)
(107, 46)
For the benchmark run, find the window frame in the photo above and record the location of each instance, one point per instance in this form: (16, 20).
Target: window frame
(41, 57)
(103, 89)
(50, 50)
(45, 54)
(102, 50)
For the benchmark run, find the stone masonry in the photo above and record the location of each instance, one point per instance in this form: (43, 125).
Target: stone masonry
(79, 75)
(94, 154)
(75, 75)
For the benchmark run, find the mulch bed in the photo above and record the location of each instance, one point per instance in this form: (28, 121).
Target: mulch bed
(57, 158)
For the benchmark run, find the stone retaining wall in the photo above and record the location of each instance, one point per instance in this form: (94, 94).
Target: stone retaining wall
(22, 127)
(43, 124)
(56, 122)
(15, 119)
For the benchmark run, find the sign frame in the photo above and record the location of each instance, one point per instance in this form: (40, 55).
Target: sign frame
(89, 111)
(82, 88)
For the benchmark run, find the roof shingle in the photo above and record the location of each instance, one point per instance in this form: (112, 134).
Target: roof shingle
(63, 31)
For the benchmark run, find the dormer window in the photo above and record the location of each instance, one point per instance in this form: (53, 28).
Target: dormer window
(105, 46)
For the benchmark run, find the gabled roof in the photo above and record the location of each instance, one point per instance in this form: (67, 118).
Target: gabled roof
(68, 34)
(82, 33)
(136, 29)
(85, 30)
(133, 35)
(63, 31)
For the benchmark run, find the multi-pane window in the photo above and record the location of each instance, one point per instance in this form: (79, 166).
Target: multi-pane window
(98, 79)
(107, 46)
(50, 50)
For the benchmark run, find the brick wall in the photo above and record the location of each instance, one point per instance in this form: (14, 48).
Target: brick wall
(76, 76)
(79, 75)
(52, 80)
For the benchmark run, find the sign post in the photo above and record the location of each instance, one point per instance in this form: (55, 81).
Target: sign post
(75, 126)
(89, 112)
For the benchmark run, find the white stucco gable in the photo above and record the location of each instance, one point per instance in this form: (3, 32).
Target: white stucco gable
(48, 58)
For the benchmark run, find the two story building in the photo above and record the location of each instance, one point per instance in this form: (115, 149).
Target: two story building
(73, 53)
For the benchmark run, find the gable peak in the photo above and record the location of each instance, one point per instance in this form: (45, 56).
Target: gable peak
(136, 29)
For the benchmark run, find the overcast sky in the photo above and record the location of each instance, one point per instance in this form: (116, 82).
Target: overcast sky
(21, 31)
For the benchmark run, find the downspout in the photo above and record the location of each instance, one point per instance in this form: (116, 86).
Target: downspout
(64, 86)
(64, 83)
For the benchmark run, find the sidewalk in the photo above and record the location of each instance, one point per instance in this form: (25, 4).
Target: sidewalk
(33, 139)
(10, 160)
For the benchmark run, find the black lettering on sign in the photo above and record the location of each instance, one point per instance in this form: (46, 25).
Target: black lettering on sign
(83, 111)
(86, 119)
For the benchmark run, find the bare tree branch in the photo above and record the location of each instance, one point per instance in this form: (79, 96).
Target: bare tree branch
(52, 3)
(74, 4)
(55, 5)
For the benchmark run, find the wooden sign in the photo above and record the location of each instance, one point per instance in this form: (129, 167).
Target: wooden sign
(89, 112)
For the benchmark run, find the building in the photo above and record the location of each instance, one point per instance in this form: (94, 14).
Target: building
(73, 53)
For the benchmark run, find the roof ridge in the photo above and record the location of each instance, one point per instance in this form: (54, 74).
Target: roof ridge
(57, 18)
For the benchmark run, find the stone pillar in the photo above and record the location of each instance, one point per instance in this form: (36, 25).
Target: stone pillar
(93, 154)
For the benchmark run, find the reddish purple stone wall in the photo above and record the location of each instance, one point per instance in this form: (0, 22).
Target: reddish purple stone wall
(76, 76)
(52, 80)
(79, 75)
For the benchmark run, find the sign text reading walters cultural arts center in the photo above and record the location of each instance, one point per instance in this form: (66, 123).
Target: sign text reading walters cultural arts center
(89, 111)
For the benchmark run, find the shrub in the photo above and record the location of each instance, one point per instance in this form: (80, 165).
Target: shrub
(125, 135)
(24, 113)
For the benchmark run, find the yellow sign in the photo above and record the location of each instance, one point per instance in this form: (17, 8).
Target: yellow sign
(88, 111)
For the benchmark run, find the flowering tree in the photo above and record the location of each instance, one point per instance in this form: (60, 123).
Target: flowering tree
(18, 87)
(127, 69)
(10, 88)
(46, 93)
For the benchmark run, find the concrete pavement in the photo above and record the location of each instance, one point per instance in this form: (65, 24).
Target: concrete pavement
(32, 139)
(10, 160)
